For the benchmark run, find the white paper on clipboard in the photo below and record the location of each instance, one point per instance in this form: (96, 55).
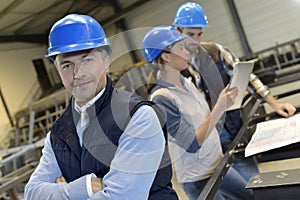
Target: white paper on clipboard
(240, 79)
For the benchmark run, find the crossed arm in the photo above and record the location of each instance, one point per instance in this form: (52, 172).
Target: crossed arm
(141, 143)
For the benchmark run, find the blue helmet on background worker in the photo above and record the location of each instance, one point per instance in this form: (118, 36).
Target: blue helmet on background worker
(190, 15)
(157, 39)
(75, 33)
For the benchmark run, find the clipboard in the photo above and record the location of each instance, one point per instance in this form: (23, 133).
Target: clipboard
(240, 79)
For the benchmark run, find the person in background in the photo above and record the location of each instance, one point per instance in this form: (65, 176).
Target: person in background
(194, 141)
(108, 143)
(212, 72)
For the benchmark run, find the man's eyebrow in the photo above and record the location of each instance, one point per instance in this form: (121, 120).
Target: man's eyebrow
(68, 61)
(190, 33)
(85, 55)
(64, 62)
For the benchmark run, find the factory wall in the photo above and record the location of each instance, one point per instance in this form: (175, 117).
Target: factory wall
(266, 23)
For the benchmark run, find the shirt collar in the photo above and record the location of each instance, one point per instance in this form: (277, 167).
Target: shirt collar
(83, 108)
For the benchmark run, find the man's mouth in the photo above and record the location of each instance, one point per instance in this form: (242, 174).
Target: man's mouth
(82, 84)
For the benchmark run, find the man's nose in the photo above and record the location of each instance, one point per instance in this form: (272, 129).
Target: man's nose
(196, 39)
(78, 70)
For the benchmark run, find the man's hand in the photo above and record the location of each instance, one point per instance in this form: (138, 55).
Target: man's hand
(285, 109)
(96, 185)
(226, 98)
(60, 179)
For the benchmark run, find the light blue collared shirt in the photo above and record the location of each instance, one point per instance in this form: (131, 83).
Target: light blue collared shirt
(132, 169)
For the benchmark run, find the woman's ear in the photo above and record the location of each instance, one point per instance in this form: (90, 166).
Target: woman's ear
(165, 57)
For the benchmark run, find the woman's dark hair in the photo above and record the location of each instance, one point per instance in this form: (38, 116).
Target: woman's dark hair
(157, 63)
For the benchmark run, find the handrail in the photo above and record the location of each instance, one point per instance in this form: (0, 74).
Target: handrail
(6, 109)
(34, 92)
(43, 104)
(18, 176)
(273, 115)
(216, 179)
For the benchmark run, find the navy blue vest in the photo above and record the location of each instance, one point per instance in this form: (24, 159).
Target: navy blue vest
(108, 118)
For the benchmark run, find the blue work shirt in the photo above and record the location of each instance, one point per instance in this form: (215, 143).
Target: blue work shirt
(132, 170)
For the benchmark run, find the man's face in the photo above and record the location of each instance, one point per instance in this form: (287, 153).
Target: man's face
(194, 38)
(194, 33)
(83, 73)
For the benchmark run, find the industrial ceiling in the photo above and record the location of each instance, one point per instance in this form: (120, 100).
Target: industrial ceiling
(31, 20)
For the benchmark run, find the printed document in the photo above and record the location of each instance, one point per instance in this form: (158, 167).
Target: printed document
(274, 134)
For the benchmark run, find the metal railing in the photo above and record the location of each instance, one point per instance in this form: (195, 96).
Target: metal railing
(237, 145)
(216, 179)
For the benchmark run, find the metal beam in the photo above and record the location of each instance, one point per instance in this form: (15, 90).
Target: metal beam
(122, 13)
(10, 7)
(238, 24)
(122, 23)
(32, 38)
(6, 109)
(33, 18)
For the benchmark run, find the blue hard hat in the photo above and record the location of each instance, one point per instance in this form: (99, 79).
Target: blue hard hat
(76, 32)
(190, 15)
(157, 39)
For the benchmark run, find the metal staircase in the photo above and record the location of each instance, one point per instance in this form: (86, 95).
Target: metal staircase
(31, 126)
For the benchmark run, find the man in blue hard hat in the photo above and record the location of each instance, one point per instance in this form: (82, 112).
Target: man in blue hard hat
(190, 20)
(108, 143)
